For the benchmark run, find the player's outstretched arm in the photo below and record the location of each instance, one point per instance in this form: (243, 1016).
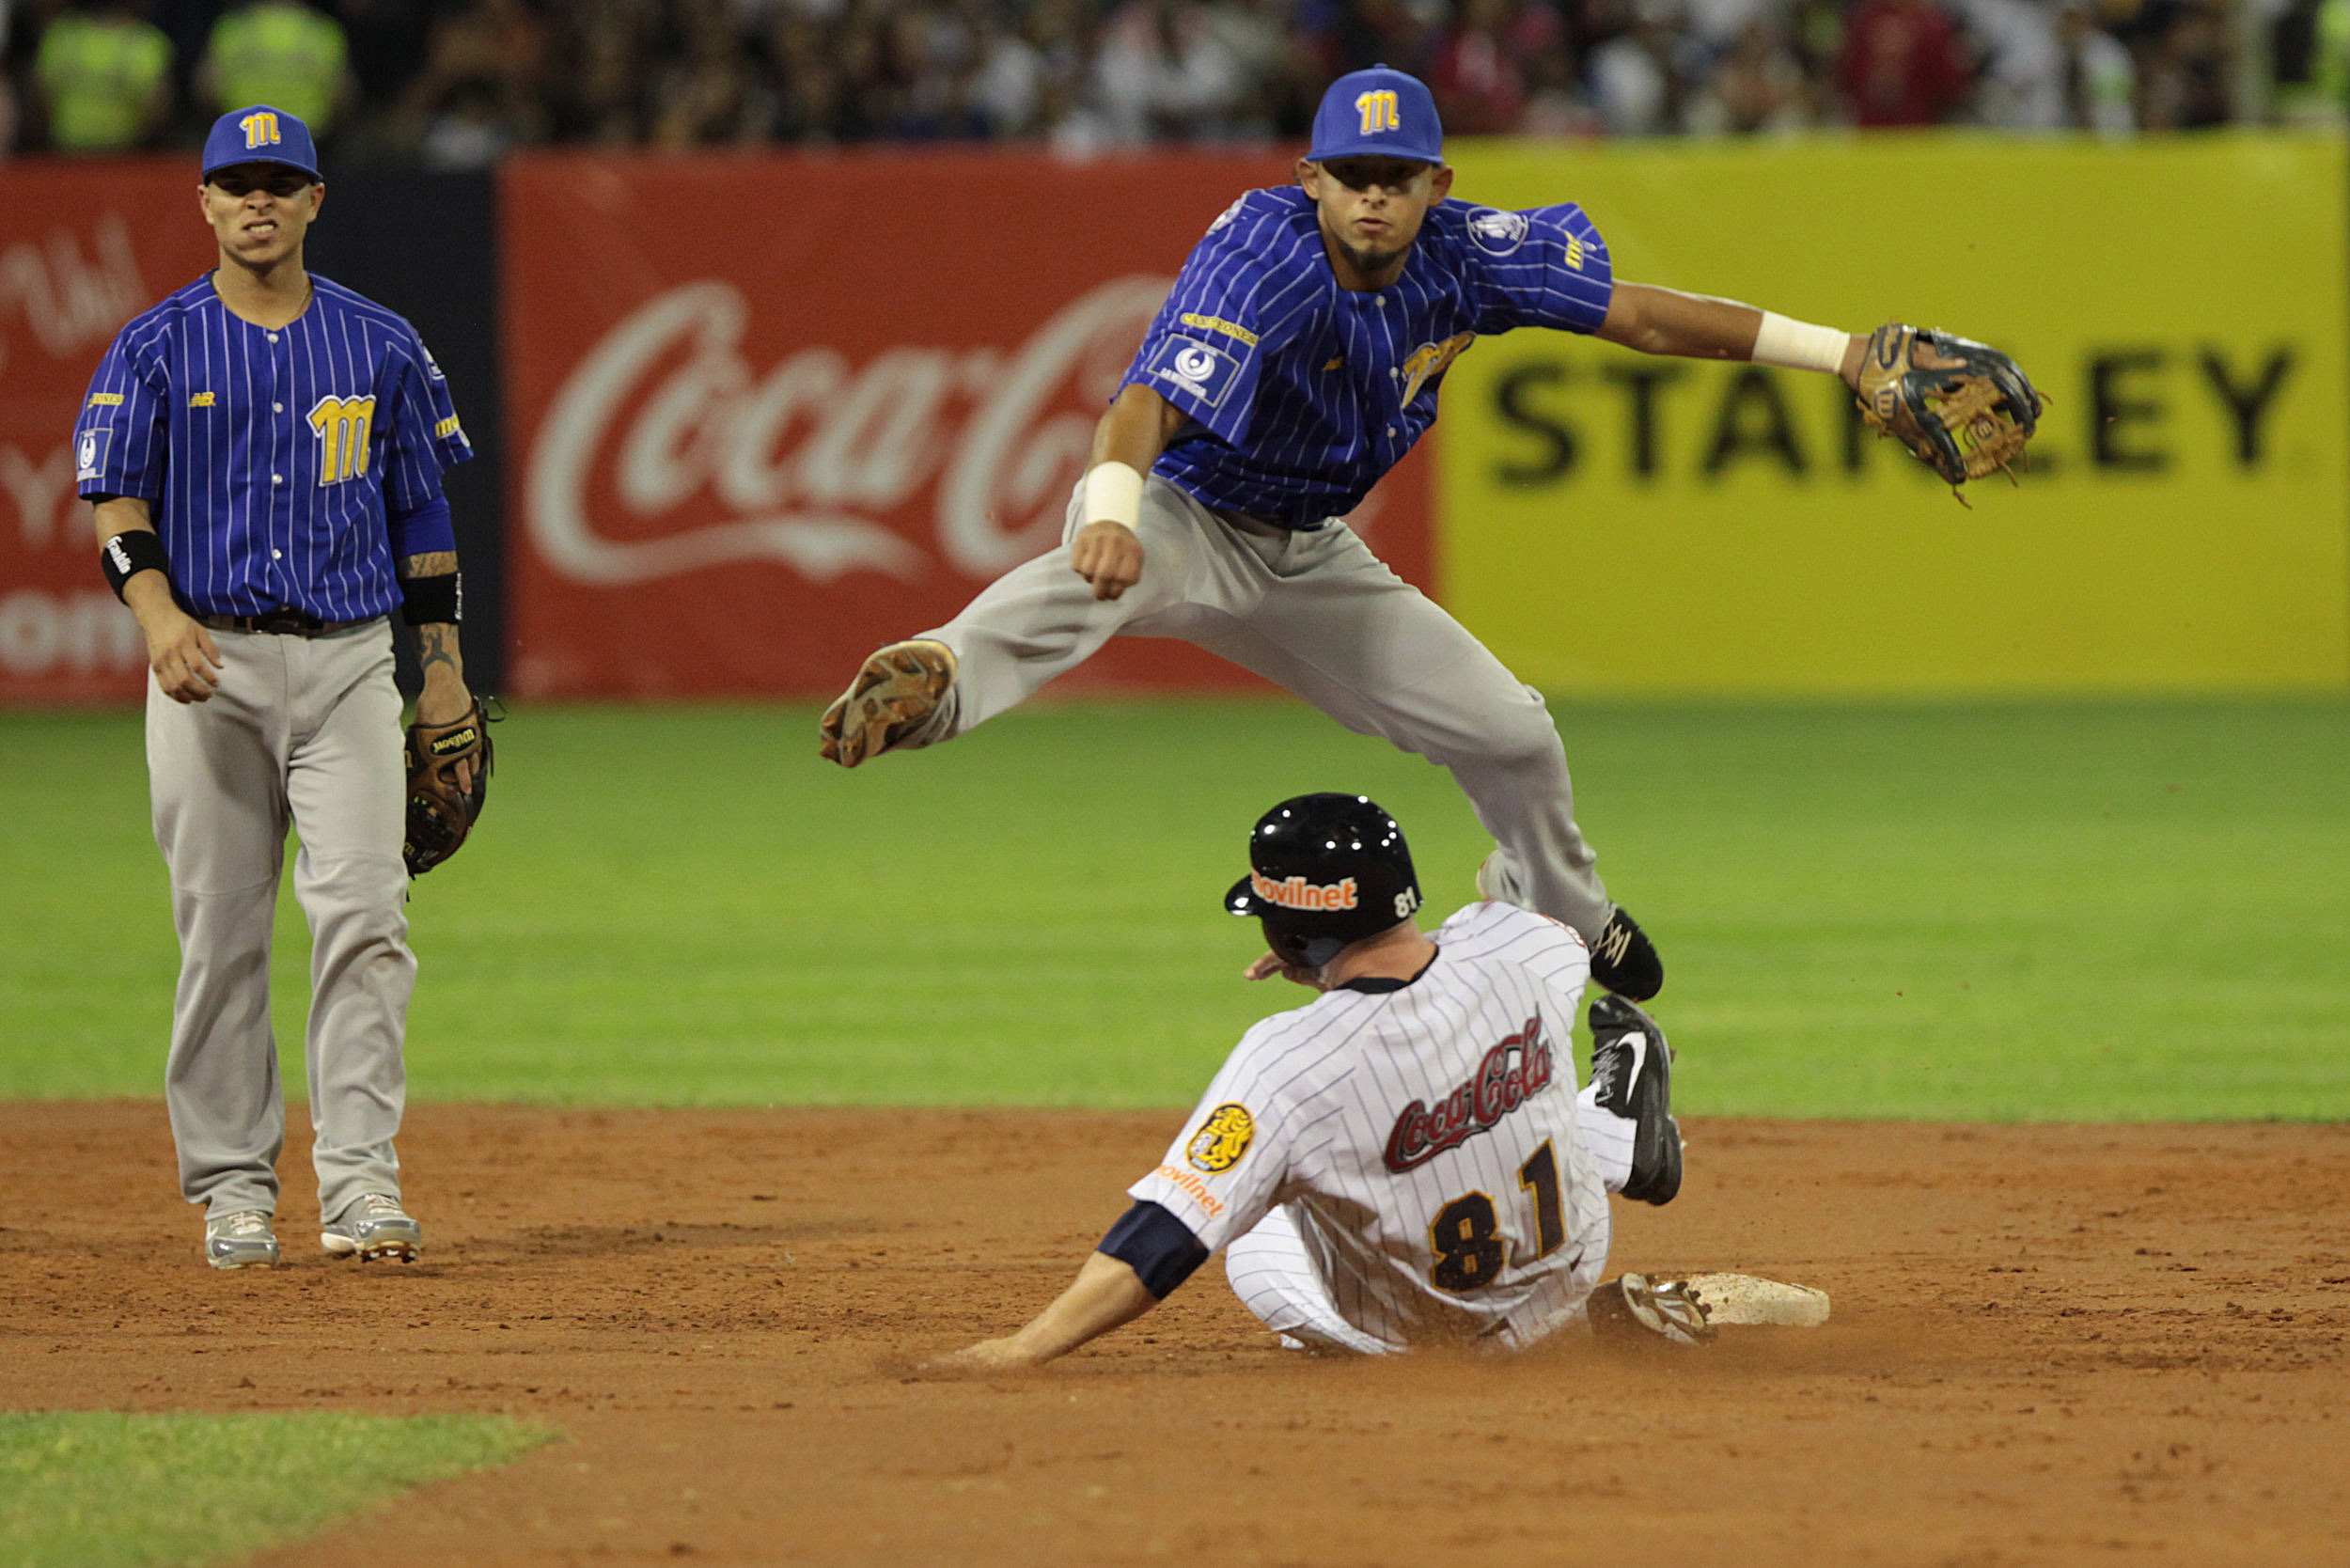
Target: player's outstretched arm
(1107, 552)
(180, 651)
(1648, 320)
(1106, 1293)
(1963, 425)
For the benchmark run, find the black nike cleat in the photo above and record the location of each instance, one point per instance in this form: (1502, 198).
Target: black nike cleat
(1624, 960)
(1632, 1077)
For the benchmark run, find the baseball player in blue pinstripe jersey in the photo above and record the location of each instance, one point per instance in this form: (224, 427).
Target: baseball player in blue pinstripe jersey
(264, 450)
(1297, 360)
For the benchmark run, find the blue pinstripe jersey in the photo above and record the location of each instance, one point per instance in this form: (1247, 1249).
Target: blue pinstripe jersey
(1300, 394)
(271, 459)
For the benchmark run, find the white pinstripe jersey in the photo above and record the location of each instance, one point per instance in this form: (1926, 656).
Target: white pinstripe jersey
(270, 458)
(1301, 393)
(1425, 1138)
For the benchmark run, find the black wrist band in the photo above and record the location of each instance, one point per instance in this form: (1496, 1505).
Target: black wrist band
(130, 552)
(431, 599)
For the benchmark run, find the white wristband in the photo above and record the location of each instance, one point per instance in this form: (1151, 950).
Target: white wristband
(1114, 494)
(1799, 345)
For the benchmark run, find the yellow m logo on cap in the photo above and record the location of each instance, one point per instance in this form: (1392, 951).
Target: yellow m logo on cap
(260, 128)
(1379, 111)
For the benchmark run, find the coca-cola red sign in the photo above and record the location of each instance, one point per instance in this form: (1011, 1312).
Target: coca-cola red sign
(1509, 1073)
(774, 411)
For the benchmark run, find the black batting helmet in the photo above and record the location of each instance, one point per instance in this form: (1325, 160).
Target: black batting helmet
(1325, 870)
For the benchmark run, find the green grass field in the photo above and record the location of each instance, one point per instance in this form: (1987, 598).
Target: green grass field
(99, 1489)
(2095, 911)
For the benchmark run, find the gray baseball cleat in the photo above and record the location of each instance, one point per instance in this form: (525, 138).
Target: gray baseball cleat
(1635, 1305)
(895, 693)
(240, 1240)
(374, 1226)
(1632, 1077)
(1495, 883)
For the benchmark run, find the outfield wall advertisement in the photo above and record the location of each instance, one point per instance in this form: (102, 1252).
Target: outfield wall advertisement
(771, 414)
(764, 412)
(1612, 523)
(88, 248)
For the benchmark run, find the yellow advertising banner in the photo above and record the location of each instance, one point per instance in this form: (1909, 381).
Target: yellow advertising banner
(1613, 523)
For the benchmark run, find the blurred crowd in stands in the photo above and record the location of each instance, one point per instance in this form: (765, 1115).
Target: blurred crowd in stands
(454, 84)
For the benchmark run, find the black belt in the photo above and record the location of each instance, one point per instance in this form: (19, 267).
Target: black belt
(288, 623)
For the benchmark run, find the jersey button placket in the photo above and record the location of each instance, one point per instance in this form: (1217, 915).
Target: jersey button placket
(281, 499)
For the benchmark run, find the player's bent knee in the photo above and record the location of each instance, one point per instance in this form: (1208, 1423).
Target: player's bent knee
(1523, 739)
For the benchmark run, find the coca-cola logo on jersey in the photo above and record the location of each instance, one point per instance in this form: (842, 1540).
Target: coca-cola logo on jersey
(1510, 1075)
(668, 448)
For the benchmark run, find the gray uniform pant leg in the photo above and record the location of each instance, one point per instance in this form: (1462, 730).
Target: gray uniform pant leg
(346, 783)
(302, 730)
(220, 820)
(1040, 618)
(1321, 615)
(1335, 624)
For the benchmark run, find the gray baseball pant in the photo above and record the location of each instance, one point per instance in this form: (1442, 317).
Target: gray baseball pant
(1321, 615)
(302, 730)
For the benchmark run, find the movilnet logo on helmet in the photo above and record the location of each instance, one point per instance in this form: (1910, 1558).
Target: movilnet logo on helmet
(1510, 1075)
(1298, 893)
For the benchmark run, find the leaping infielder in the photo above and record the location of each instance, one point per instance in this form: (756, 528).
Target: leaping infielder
(1297, 360)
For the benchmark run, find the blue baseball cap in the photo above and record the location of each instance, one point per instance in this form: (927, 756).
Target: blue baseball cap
(1378, 113)
(259, 134)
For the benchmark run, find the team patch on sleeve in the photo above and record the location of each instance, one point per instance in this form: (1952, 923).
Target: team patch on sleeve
(89, 451)
(447, 428)
(1497, 232)
(1202, 369)
(1221, 1139)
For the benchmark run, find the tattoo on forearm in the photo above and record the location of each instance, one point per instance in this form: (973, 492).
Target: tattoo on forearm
(436, 644)
(433, 563)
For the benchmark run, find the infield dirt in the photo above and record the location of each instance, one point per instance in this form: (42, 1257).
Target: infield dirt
(2051, 1346)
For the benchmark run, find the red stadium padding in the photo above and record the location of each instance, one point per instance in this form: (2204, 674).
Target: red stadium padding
(89, 246)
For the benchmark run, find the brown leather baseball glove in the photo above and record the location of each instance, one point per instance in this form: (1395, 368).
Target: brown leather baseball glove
(1970, 413)
(440, 811)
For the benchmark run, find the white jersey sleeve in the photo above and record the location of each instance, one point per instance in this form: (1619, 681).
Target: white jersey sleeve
(1231, 1161)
